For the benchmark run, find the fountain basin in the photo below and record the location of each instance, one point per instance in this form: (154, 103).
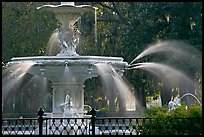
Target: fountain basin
(68, 11)
(67, 74)
(76, 64)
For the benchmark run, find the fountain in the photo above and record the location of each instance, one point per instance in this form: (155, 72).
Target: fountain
(176, 102)
(67, 70)
(187, 94)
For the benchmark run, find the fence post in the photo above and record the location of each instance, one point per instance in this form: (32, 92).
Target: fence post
(40, 120)
(93, 120)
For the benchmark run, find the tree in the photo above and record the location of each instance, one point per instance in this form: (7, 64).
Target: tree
(25, 30)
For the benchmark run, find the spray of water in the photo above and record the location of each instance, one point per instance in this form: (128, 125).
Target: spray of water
(114, 84)
(178, 50)
(53, 47)
(107, 81)
(68, 76)
(13, 77)
(179, 53)
(170, 75)
(125, 92)
(18, 84)
(187, 94)
(167, 73)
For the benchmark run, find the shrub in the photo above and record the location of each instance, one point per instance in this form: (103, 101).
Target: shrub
(180, 121)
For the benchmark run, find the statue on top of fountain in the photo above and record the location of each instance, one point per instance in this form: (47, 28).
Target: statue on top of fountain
(68, 40)
(68, 108)
(68, 14)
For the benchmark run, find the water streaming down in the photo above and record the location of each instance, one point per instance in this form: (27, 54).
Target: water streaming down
(178, 50)
(12, 76)
(189, 94)
(178, 56)
(106, 77)
(67, 76)
(171, 76)
(125, 93)
(52, 48)
(21, 90)
(116, 86)
(165, 72)
(9, 83)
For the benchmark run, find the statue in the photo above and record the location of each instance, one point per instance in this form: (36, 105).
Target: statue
(68, 108)
(174, 103)
(69, 112)
(68, 40)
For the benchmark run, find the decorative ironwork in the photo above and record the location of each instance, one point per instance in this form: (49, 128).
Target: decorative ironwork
(19, 126)
(102, 125)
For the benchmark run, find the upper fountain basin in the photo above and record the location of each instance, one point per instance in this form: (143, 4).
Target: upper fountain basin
(65, 8)
(66, 12)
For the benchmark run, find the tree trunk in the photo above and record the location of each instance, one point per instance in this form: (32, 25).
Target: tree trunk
(165, 94)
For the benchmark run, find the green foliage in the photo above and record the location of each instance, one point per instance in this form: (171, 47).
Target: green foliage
(102, 112)
(25, 30)
(182, 120)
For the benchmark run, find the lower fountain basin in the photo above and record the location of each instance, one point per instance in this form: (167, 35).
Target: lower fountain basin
(77, 64)
(71, 60)
(67, 74)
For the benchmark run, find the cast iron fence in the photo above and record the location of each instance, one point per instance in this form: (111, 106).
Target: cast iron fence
(100, 126)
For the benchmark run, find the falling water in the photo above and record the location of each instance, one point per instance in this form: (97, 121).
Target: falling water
(68, 76)
(178, 50)
(124, 91)
(179, 54)
(106, 78)
(13, 77)
(53, 48)
(192, 96)
(9, 83)
(16, 83)
(167, 73)
(113, 82)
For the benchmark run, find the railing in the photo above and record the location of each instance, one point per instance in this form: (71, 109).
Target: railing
(19, 126)
(100, 126)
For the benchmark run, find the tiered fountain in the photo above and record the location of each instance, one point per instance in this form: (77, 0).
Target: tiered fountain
(67, 70)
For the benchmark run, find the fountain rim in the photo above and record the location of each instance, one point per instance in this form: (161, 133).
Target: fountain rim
(57, 8)
(69, 60)
(31, 58)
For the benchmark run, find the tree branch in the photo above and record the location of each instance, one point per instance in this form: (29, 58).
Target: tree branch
(114, 9)
(118, 13)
